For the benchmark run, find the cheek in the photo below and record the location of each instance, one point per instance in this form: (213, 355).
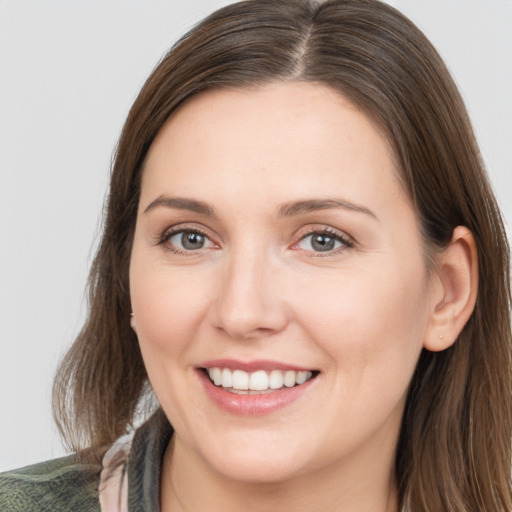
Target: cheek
(371, 327)
(371, 331)
(169, 306)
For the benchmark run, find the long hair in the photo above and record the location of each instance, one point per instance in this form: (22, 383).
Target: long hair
(454, 449)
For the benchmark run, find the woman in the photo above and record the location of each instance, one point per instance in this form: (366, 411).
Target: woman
(303, 260)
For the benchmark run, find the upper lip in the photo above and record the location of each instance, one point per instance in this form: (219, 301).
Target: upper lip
(251, 366)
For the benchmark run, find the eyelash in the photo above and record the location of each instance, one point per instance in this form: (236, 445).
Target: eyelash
(346, 242)
(167, 235)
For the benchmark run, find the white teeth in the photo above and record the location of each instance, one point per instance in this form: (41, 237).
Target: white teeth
(289, 379)
(276, 379)
(227, 378)
(258, 381)
(216, 376)
(240, 380)
(261, 380)
(301, 377)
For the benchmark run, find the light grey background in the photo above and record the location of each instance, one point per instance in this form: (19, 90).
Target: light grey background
(69, 71)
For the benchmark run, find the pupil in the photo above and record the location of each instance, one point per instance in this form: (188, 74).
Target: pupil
(192, 241)
(323, 243)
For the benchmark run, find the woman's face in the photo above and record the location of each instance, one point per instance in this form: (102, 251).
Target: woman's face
(274, 244)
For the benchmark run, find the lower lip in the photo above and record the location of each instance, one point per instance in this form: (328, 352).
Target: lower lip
(252, 405)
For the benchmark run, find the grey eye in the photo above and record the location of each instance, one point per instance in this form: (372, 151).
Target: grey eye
(320, 242)
(189, 240)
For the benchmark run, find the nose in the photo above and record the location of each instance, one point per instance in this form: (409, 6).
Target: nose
(249, 302)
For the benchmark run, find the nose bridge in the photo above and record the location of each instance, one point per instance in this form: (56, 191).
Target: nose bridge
(249, 303)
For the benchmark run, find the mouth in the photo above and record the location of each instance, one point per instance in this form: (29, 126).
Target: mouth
(258, 382)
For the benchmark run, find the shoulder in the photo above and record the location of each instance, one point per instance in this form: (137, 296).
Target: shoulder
(57, 485)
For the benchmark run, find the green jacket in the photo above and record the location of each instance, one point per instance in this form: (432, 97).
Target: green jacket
(70, 486)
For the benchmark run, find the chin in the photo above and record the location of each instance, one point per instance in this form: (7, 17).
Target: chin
(261, 461)
(250, 471)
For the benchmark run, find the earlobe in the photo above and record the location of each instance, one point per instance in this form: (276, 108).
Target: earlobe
(455, 292)
(132, 322)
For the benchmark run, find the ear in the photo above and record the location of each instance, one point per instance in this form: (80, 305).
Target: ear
(454, 290)
(132, 322)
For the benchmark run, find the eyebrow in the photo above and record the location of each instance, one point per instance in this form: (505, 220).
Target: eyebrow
(182, 203)
(290, 209)
(311, 205)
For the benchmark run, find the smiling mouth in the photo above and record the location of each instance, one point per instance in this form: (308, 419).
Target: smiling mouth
(258, 382)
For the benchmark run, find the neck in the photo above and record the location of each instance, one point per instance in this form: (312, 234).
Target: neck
(188, 483)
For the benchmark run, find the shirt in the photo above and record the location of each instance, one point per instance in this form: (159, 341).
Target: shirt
(128, 479)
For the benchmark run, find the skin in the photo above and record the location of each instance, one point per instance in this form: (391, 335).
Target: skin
(359, 314)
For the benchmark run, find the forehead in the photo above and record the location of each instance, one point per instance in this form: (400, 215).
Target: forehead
(290, 139)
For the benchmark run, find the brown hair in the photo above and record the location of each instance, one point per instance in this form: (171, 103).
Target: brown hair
(454, 449)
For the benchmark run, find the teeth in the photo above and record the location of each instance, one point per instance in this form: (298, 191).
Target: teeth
(240, 379)
(289, 379)
(258, 381)
(261, 380)
(302, 377)
(227, 378)
(276, 379)
(215, 375)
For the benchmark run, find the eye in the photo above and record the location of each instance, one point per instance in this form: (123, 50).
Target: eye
(186, 240)
(322, 241)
